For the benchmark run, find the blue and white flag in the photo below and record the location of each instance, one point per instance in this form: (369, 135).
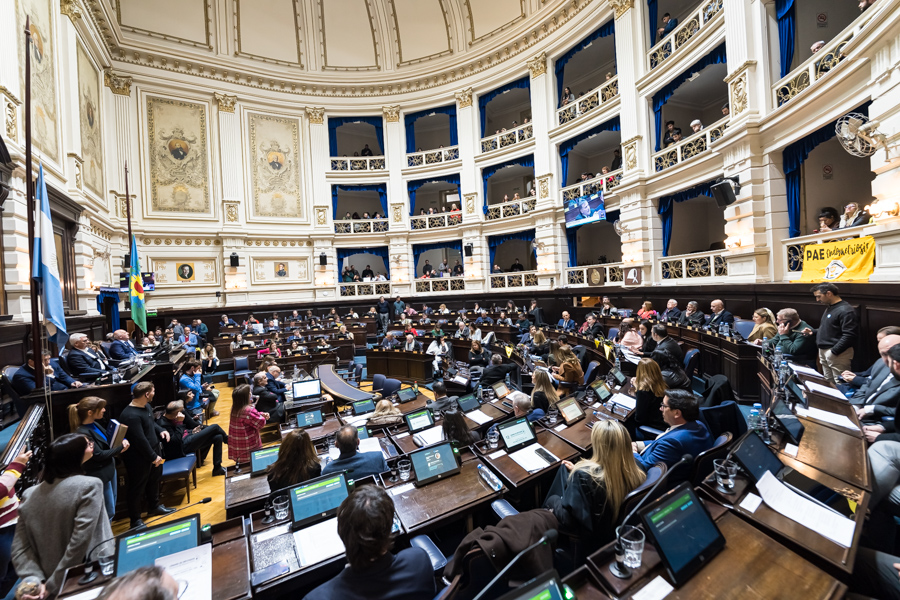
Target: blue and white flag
(45, 270)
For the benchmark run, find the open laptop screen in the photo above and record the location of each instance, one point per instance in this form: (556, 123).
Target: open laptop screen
(306, 390)
(142, 549)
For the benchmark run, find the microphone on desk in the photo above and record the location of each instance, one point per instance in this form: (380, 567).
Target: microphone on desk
(618, 568)
(550, 536)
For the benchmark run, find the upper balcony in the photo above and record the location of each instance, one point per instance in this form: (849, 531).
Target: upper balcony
(506, 138)
(361, 226)
(606, 183)
(356, 144)
(690, 147)
(513, 208)
(700, 19)
(438, 221)
(599, 96)
(432, 157)
(358, 163)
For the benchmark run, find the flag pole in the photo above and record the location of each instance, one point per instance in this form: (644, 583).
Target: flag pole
(128, 207)
(30, 203)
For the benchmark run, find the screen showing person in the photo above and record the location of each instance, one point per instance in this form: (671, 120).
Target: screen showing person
(585, 209)
(318, 498)
(142, 549)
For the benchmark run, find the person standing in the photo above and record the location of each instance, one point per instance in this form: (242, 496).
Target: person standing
(102, 465)
(9, 514)
(144, 464)
(399, 307)
(837, 334)
(383, 311)
(243, 429)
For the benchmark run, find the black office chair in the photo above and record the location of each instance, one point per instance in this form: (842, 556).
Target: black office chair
(391, 387)
(476, 572)
(7, 388)
(654, 473)
(724, 417)
(691, 362)
(718, 391)
(703, 464)
(377, 383)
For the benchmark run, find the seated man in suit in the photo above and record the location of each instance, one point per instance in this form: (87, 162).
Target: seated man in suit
(226, 322)
(389, 342)
(685, 435)
(484, 319)
(442, 401)
(522, 407)
(594, 328)
(189, 339)
(664, 344)
(790, 336)
(692, 315)
(187, 436)
(672, 312)
(279, 388)
(357, 464)
(84, 362)
(879, 396)
(497, 371)
(411, 345)
(719, 315)
(853, 380)
(121, 349)
(267, 401)
(59, 372)
(566, 323)
(23, 379)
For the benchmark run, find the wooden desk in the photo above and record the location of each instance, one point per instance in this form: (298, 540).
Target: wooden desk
(337, 387)
(331, 426)
(400, 364)
(420, 508)
(752, 565)
(841, 455)
(513, 474)
(244, 494)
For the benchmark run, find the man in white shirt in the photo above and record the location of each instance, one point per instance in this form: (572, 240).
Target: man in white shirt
(439, 349)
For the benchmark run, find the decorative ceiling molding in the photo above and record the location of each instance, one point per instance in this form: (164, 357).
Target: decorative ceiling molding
(316, 114)
(268, 59)
(538, 65)
(621, 6)
(226, 102)
(464, 98)
(391, 113)
(71, 9)
(119, 84)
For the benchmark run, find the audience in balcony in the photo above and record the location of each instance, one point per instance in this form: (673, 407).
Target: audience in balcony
(696, 125)
(864, 4)
(669, 25)
(853, 216)
(457, 269)
(725, 110)
(617, 160)
(817, 46)
(567, 97)
(516, 266)
(669, 133)
(497, 270)
(828, 220)
(366, 151)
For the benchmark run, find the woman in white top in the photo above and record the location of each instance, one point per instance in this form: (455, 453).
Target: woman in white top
(438, 349)
(209, 361)
(239, 341)
(444, 310)
(474, 332)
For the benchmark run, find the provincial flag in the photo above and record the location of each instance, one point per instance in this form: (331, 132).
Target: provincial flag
(136, 290)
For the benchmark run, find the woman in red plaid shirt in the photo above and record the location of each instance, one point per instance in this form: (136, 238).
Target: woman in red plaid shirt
(243, 430)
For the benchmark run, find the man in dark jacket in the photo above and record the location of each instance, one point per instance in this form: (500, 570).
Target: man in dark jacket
(84, 363)
(267, 401)
(497, 371)
(791, 338)
(838, 331)
(23, 379)
(692, 316)
(664, 345)
(880, 394)
(186, 436)
(719, 315)
(383, 309)
(672, 312)
(273, 385)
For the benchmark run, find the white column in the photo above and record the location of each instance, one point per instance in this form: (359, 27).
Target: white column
(121, 143)
(635, 116)
(232, 172)
(542, 114)
(746, 29)
(467, 124)
(395, 155)
(317, 184)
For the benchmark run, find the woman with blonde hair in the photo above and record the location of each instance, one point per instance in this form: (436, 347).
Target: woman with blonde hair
(544, 394)
(385, 413)
(209, 361)
(539, 342)
(479, 356)
(102, 465)
(764, 326)
(649, 389)
(586, 497)
(568, 374)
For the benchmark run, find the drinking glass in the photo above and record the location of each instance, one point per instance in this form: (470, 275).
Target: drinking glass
(394, 471)
(404, 466)
(281, 504)
(552, 415)
(329, 440)
(107, 564)
(633, 544)
(493, 437)
(725, 473)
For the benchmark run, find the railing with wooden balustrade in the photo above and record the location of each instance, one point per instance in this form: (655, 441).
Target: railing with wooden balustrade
(793, 247)
(818, 65)
(508, 138)
(437, 221)
(361, 226)
(432, 157)
(358, 163)
(593, 275)
(514, 280)
(366, 288)
(605, 183)
(692, 25)
(440, 284)
(513, 208)
(588, 102)
(689, 147)
(693, 266)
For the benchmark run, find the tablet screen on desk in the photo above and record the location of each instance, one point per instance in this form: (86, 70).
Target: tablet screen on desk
(318, 499)
(142, 549)
(306, 390)
(363, 432)
(788, 420)
(500, 389)
(542, 587)
(419, 420)
(407, 395)
(684, 534)
(468, 402)
(312, 418)
(261, 459)
(756, 458)
(618, 375)
(433, 463)
(600, 388)
(363, 406)
(516, 433)
(570, 410)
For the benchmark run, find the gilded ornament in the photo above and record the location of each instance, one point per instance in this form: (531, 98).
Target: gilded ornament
(71, 9)
(119, 84)
(538, 65)
(739, 94)
(315, 114)
(391, 113)
(321, 216)
(620, 6)
(226, 102)
(464, 98)
(231, 212)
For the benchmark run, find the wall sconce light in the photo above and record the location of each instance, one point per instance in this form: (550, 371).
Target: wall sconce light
(883, 208)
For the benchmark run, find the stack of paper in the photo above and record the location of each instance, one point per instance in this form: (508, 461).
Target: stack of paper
(192, 566)
(827, 417)
(623, 400)
(318, 542)
(479, 417)
(430, 436)
(805, 371)
(370, 445)
(528, 459)
(824, 390)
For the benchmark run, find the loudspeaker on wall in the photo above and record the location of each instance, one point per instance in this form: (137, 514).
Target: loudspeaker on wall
(468, 249)
(323, 259)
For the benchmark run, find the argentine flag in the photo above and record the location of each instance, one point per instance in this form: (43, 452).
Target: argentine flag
(45, 270)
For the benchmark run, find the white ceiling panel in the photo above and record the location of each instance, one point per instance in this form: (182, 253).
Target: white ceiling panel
(422, 29)
(348, 34)
(177, 19)
(268, 29)
(489, 16)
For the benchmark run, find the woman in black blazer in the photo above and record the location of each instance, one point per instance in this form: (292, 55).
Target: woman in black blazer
(83, 419)
(479, 356)
(649, 344)
(649, 388)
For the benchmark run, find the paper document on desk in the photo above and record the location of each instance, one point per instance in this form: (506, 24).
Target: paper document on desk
(528, 459)
(479, 417)
(630, 356)
(795, 507)
(623, 400)
(824, 389)
(357, 419)
(805, 371)
(430, 436)
(371, 444)
(318, 542)
(460, 380)
(191, 568)
(827, 417)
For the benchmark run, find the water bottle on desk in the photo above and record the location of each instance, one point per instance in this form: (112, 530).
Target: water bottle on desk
(726, 330)
(489, 478)
(753, 420)
(778, 356)
(784, 373)
(618, 362)
(507, 380)
(480, 392)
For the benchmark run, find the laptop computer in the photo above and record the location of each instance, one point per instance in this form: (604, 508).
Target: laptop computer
(311, 389)
(261, 459)
(142, 549)
(419, 420)
(546, 586)
(434, 463)
(407, 395)
(683, 532)
(312, 418)
(500, 389)
(467, 403)
(791, 424)
(570, 410)
(363, 407)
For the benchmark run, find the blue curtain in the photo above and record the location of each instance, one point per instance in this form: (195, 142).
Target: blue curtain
(380, 251)
(662, 96)
(667, 208)
(487, 172)
(483, 100)
(410, 122)
(608, 28)
(495, 241)
(572, 242)
(419, 249)
(412, 186)
(114, 308)
(381, 188)
(568, 145)
(793, 157)
(652, 11)
(785, 12)
(335, 122)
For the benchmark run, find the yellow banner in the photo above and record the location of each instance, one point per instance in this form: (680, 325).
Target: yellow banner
(848, 260)
(509, 351)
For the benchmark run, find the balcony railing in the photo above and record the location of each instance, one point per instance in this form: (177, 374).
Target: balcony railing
(432, 157)
(818, 65)
(691, 26)
(361, 226)
(793, 247)
(590, 275)
(606, 183)
(690, 146)
(420, 222)
(513, 208)
(444, 284)
(374, 288)
(514, 280)
(506, 139)
(694, 266)
(596, 97)
(358, 163)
